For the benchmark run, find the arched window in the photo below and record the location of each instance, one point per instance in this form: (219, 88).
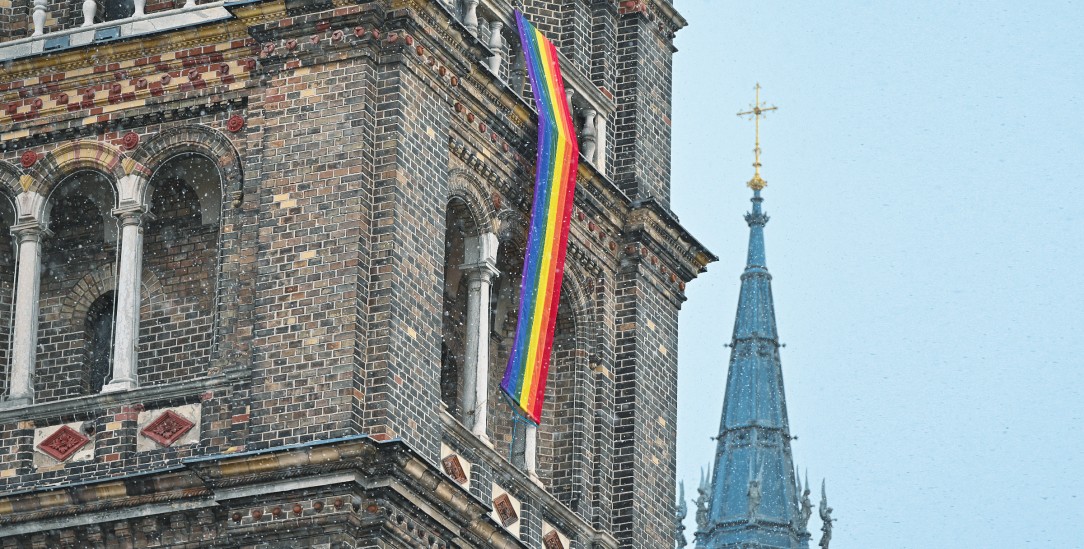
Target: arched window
(78, 263)
(502, 335)
(459, 224)
(7, 288)
(98, 343)
(181, 250)
(563, 453)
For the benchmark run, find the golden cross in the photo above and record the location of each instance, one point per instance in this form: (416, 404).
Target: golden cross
(757, 110)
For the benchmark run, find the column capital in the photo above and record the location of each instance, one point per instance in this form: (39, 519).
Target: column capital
(480, 271)
(480, 254)
(131, 214)
(30, 231)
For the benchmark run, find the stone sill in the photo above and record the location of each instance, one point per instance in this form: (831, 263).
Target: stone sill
(148, 24)
(73, 406)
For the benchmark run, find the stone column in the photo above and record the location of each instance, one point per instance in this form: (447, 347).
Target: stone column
(588, 135)
(25, 331)
(38, 17)
(530, 452)
(90, 9)
(600, 143)
(129, 275)
(470, 16)
(496, 45)
(525, 449)
(480, 267)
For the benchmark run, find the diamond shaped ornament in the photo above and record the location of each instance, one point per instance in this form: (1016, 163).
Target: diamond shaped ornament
(167, 428)
(63, 443)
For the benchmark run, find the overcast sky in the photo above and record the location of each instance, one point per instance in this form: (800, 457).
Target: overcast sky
(926, 191)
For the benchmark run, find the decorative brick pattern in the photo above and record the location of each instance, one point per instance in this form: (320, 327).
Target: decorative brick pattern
(552, 540)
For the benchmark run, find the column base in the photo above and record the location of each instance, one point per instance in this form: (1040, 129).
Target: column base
(20, 402)
(484, 440)
(120, 385)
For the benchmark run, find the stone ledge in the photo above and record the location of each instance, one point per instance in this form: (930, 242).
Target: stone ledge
(230, 481)
(69, 407)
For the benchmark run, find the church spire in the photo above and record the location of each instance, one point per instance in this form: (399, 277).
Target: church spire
(754, 498)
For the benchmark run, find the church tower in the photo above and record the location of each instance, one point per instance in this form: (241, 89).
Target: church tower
(753, 497)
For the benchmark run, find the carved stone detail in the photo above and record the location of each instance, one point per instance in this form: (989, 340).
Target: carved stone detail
(507, 513)
(168, 428)
(454, 468)
(63, 443)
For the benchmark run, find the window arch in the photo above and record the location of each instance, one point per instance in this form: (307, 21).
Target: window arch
(564, 455)
(459, 224)
(7, 287)
(177, 333)
(82, 242)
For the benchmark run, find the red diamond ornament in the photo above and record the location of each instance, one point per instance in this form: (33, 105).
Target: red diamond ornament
(64, 442)
(168, 428)
(552, 540)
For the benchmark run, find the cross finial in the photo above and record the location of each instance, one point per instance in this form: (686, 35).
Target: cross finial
(757, 110)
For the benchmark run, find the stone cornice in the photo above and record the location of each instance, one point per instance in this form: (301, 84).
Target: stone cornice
(659, 228)
(218, 479)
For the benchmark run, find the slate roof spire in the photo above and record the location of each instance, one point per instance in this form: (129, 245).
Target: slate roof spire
(754, 497)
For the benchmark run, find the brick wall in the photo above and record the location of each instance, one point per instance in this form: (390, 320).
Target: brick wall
(322, 301)
(643, 93)
(410, 195)
(180, 255)
(313, 211)
(646, 406)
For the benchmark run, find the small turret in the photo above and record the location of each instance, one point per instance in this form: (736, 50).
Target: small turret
(679, 518)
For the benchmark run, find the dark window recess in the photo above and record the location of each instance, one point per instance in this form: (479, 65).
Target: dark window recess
(449, 380)
(98, 328)
(117, 9)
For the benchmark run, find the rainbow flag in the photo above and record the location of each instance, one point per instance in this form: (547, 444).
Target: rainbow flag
(543, 267)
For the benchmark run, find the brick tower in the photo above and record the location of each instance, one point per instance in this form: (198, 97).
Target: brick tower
(259, 270)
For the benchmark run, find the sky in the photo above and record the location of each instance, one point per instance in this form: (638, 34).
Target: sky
(926, 191)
